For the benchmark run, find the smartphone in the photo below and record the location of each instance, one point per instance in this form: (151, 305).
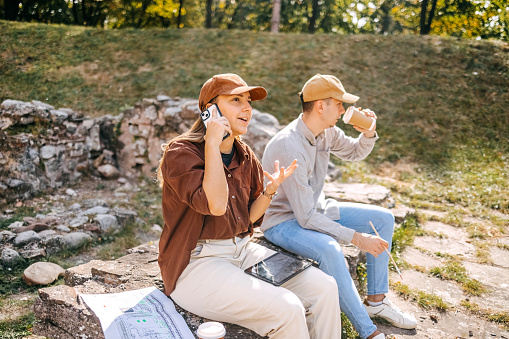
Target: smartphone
(206, 115)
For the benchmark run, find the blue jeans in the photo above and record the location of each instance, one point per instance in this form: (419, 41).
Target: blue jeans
(326, 251)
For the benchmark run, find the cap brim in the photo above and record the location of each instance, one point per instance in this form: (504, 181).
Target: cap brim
(348, 98)
(257, 92)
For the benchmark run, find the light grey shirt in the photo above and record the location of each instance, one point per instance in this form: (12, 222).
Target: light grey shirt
(301, 196)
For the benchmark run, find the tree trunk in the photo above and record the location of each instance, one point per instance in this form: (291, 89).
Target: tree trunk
(427, 18)
(314, 15)
(179, 18)
(208, 18)
(11, 9)
(386, 17)
(276, 17)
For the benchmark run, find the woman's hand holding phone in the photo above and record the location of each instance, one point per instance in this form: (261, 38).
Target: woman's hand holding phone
(217, 126)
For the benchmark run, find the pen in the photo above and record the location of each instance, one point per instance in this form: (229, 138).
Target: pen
(386, 250)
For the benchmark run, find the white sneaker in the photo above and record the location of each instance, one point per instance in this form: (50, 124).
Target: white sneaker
(391, 313)
(379, 336)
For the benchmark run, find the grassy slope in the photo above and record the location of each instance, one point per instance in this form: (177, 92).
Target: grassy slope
(442, 103)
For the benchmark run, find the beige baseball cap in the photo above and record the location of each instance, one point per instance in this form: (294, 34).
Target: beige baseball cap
(326, 86)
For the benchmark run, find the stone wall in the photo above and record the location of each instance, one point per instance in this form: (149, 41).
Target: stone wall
(43, 148)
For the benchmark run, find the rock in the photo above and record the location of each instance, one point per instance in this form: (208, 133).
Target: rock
(58, 116)
(6, 236)
(63, 315)
(107, 222)
(15, 183)
(76, 240)
(161, 97)
(122, 180)
(108, 171)
(46, 234)
(14, 225)
(78, 221)
(95, 210)
(11, 258)
(75, 207)
(63, 228)
(156, 228)
(362, 193)
(33, 252)
(71, 193)
(37, 227)
(53, 243)
(124, 215)
(42, 273)
(48, 152)
(25, 238)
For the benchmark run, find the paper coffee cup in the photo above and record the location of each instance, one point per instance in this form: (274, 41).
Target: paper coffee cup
(211, 330)
(355, 117)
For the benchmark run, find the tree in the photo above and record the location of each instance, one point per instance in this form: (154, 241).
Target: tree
(208, 19)
(315, 12)
(427, 16)
(276, 17)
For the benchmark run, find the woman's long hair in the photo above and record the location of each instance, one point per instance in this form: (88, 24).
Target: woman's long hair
(195, 134)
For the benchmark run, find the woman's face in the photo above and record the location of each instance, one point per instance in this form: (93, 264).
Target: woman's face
(237, 109)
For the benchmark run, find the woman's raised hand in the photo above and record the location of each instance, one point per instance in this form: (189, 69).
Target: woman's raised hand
(280, 175)
(216, 127)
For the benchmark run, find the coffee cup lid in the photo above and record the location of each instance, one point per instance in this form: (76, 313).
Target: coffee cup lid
(348, 114)
(211, 330)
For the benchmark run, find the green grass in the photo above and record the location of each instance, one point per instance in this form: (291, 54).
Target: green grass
(19, 214)
(441, 101)
(423, 299)
(453, 270)
(497, 317)
(405, 234)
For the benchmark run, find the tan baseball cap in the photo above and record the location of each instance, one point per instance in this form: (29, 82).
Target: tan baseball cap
(324, 87)
(228, 84)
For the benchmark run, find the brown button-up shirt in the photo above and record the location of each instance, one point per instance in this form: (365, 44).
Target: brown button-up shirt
(186, 214)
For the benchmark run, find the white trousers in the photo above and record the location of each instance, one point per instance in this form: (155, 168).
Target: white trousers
(215, 286)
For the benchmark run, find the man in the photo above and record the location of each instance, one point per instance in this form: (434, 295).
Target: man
(302, 221)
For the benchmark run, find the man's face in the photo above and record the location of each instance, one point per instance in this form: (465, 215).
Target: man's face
(333, 109)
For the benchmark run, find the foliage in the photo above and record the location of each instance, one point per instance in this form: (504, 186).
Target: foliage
(440, 101)
(466, 18)
(347, 329)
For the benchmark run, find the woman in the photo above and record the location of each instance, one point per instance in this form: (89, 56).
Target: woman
(213, 197)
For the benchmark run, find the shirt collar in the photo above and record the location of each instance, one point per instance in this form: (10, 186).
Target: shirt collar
(241, 154)
(306, 132)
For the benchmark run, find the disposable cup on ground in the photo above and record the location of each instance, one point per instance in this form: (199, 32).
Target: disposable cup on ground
(211, 330)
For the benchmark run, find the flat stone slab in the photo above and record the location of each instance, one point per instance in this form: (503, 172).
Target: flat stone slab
(363, 193)
(451, 292)
(432, 324)
(500, 257)
(448, 246)
(415, 257)
(448, 231)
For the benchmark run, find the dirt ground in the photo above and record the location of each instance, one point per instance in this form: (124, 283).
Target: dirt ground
(456, 322)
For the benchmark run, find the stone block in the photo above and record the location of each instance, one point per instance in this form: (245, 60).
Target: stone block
(60, 307)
